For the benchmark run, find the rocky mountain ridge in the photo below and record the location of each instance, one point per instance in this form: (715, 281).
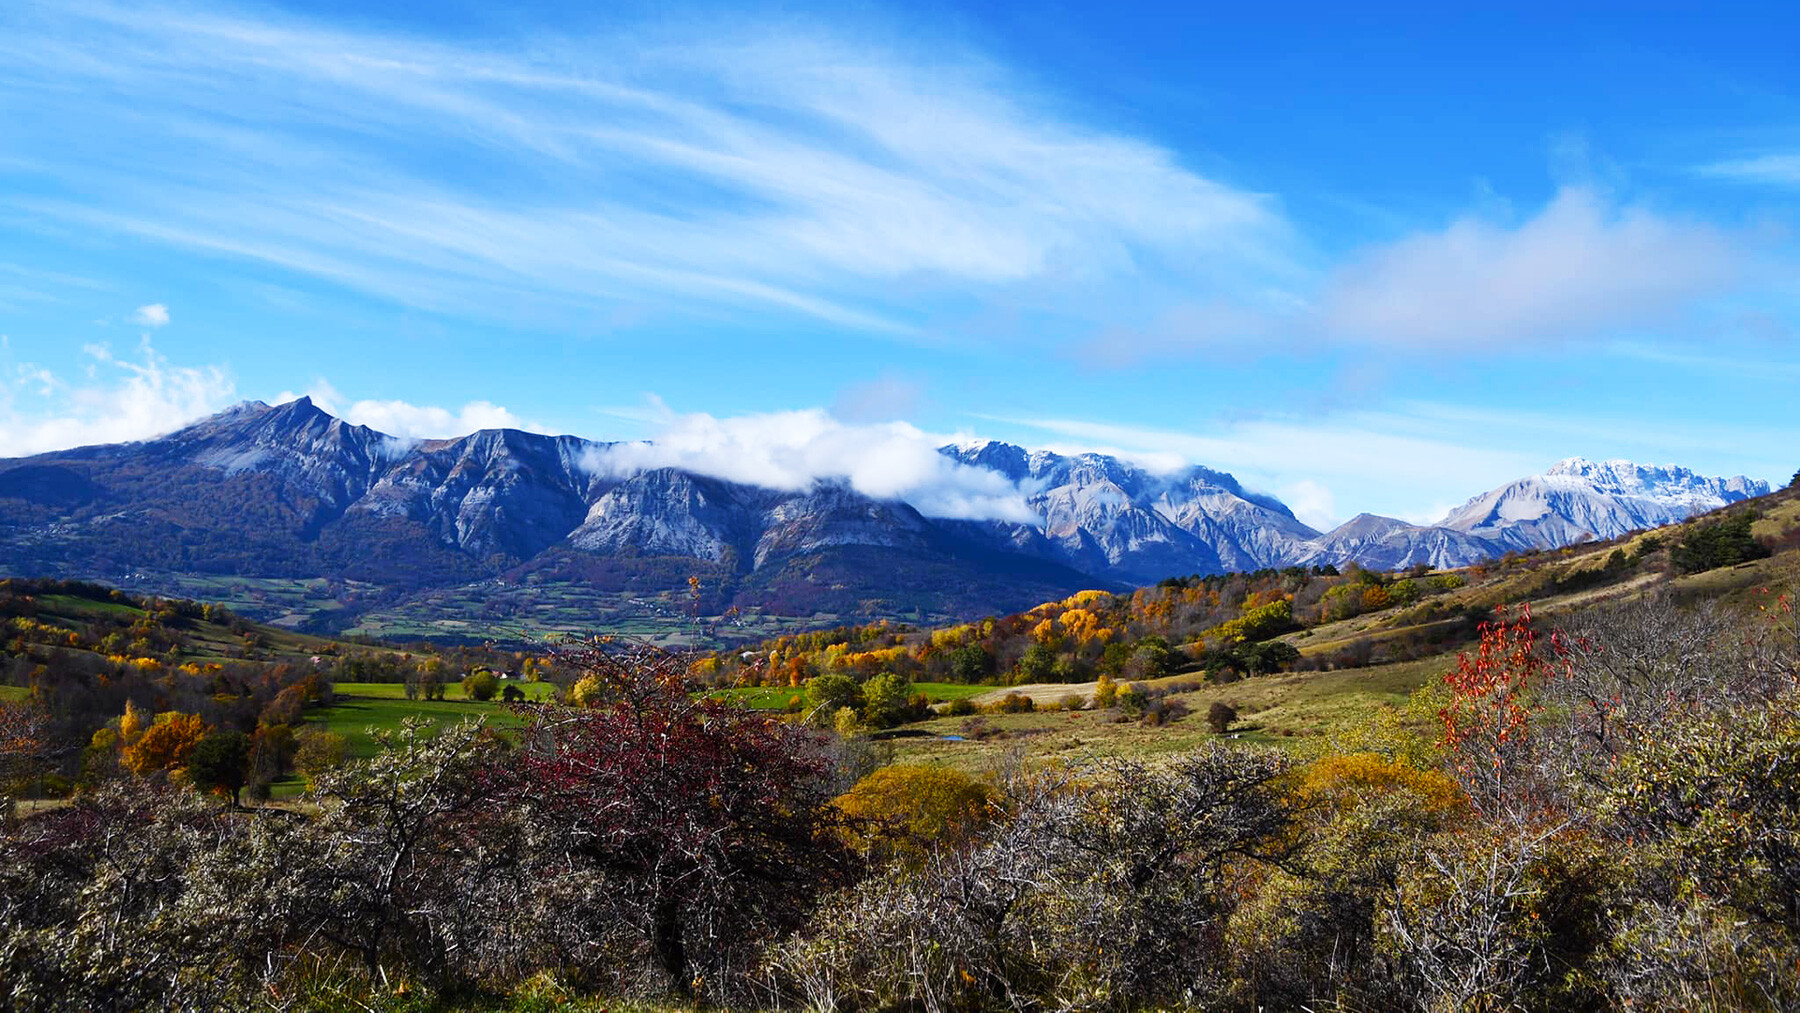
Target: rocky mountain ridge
(1578, 500)
(290, 491)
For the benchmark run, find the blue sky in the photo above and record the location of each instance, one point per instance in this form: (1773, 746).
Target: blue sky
(1378, 259)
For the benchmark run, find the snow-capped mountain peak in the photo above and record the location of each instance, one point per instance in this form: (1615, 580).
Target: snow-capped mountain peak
(1580, 500)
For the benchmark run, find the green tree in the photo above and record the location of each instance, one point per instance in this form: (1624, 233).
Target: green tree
(1269, 656)
(1037, 665)
(970, 663)
(221, 761)
(1725, 542)
(829, 693)
(480, 686)
(887, 700)
(1152, 659)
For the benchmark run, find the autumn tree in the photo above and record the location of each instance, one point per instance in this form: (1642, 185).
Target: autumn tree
(1495, 694)
(1220, 716)
(166, 745)
(24, 745)
(317, 751)
(904, 810)
(695, 827)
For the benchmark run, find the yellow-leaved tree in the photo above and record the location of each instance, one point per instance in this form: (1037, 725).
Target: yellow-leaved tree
(165, 745)
(903, 810)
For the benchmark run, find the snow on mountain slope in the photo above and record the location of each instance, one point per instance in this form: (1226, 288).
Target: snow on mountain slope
(1385, 543)
(1108, 516)
(290, 490)
(1580, 500)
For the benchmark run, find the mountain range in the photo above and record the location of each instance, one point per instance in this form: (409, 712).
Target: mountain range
(291, 492)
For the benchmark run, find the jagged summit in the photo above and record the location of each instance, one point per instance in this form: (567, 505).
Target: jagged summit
(1578, 500)
(1109, 516)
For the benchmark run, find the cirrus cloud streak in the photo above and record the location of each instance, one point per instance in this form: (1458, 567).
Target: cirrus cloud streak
(793, 172)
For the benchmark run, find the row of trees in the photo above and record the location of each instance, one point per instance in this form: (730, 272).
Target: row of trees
(1220, 621)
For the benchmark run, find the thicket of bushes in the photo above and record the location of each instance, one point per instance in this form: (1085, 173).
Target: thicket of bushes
(1606, 817)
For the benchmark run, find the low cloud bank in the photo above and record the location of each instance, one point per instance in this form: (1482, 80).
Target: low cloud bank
(799, 449)
(115, 400)
(406, 421)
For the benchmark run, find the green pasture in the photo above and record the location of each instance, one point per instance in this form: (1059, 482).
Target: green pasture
(363, 709)
(68, 604)
(535, 692)
(774, 698)
(1288, 709)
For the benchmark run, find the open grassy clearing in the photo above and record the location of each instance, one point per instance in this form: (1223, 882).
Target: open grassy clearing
(363, 709)
(774, 698)
(68, 604)
(1284, 709)
(536, 692)
(357, 718)
(11, 693)
(362, 706)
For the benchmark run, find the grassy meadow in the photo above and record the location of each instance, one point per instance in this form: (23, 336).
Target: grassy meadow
(774, 698)
(364, 707)
(1285, 709)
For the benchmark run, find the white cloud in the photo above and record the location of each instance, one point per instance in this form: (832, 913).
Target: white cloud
(408, 421)
(123, 400)
(1312, 502)
(153, 315)
(1775, 169)
(794, 171)
(400, 418)
(799, 449)
(1578, 267)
